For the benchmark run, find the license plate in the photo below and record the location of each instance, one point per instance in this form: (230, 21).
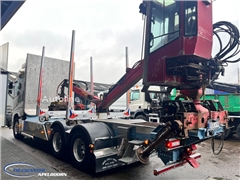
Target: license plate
(213, 125)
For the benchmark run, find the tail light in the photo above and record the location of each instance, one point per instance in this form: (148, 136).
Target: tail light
(188, 151)
(172, 143)
(194, 147)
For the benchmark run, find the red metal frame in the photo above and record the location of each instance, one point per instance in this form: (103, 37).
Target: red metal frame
(132, 76)
(185, 47)
(85, 94)
(191, 160)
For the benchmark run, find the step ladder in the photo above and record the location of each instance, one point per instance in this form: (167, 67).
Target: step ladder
(127, 151)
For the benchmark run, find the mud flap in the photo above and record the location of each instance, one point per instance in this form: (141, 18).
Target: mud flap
(193, 162)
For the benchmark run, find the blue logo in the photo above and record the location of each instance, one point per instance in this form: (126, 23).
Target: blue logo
(22, 170)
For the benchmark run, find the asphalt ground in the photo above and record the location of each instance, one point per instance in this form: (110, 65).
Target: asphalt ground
(225, 166)
(12, 154)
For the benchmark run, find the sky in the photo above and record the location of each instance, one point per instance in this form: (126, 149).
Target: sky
(103, 29)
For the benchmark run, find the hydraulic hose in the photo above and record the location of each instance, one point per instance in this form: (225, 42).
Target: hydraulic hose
(231, 48)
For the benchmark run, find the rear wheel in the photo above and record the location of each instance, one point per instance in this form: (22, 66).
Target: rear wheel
(57, 143)
(228, 133)
(141, 117)
(16, 129)
(80, 151)
(238, 131)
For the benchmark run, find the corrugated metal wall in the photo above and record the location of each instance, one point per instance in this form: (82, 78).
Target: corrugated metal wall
(4, 56)
(55, 71)
(3, 82)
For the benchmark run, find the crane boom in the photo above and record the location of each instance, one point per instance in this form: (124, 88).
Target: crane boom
(132, 76)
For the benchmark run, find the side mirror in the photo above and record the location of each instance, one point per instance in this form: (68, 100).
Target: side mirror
(143, 8)
(10, 85)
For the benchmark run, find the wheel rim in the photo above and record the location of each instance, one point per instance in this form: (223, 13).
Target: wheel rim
(57, 142)
(16, 128)
(79, 150)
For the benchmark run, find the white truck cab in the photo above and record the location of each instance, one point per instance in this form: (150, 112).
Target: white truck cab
(141, 104)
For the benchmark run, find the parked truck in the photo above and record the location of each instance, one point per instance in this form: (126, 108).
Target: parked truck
(138, 104)
(146, 105)
(177, 46)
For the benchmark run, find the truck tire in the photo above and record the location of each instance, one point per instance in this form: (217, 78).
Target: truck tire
(57, 143)
(141, 117)
(16, 130)
(238, 131)
(80, 152)
(228, 133)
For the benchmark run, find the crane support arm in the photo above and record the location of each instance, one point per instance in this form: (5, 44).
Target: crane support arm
(132, 76)
(79, 90)
(85, 94)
